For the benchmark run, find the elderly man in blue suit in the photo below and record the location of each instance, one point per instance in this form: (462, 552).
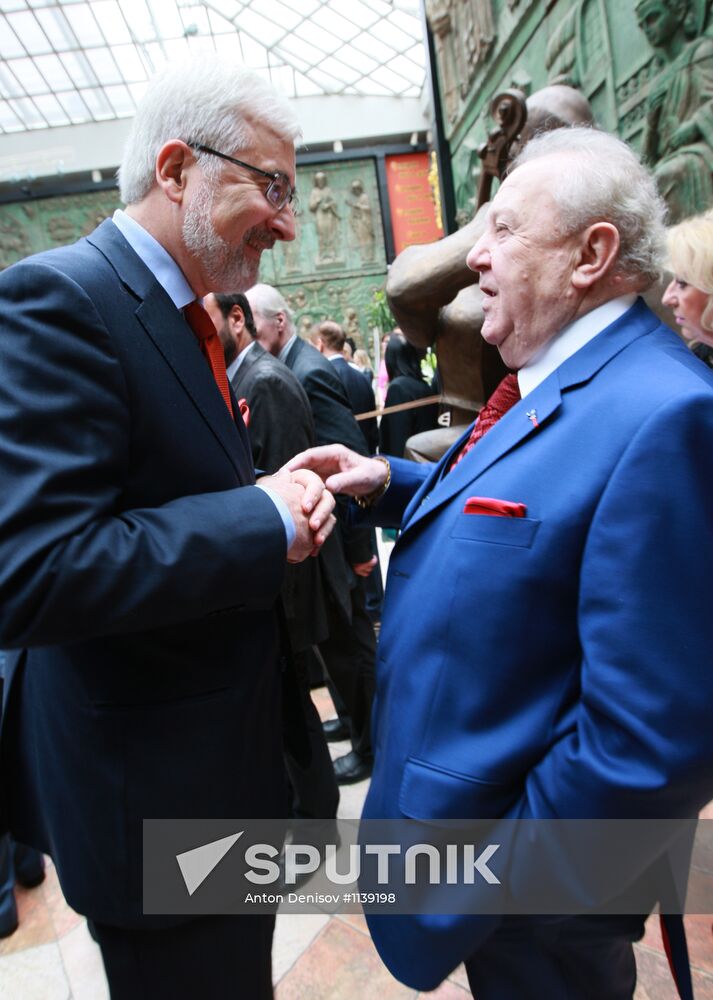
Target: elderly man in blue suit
(140, 563)
(545, 627)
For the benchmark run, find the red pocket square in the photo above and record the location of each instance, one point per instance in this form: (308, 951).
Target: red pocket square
(496, 508)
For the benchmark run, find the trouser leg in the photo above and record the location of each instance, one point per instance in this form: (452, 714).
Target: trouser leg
(8, 909)
(580, 958)
(349, 655)
(214, 958)
(315, 793)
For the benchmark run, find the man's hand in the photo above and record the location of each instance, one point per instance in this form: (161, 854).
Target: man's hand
(310, 506)
(364, 568)
(342, 470)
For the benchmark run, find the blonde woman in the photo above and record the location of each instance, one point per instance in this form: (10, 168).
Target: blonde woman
(690, 292)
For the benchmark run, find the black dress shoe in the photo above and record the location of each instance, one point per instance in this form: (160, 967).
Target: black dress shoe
(352, 767)
(32, 881)
(335, 730)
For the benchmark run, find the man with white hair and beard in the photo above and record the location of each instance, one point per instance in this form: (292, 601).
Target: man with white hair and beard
(141, 563)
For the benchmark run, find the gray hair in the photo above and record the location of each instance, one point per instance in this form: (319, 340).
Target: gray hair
(605, 180)
(267, 301)
(204, 100)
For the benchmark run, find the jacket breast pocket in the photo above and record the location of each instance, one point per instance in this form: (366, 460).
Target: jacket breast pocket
(519, 531)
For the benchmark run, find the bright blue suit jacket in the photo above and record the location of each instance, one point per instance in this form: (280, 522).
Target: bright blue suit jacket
(139, 570)
(559, 664)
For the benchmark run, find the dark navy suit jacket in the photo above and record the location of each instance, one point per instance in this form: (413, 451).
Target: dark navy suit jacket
(333, 423)
(139, 569)
(361, 399)
(281, 426)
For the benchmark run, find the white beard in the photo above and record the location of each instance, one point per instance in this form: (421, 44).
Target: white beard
(228, 267)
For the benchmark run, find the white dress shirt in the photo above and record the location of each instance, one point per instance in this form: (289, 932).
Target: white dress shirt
(569, 340)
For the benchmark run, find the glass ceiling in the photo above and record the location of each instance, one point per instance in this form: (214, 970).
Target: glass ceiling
(67, 62)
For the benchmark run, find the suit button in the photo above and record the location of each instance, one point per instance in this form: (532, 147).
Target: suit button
(425, 499)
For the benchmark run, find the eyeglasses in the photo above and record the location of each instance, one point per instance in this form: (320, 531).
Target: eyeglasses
(279, 191)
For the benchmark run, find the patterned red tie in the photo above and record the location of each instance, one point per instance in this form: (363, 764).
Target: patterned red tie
(202, 325)
(505, 396)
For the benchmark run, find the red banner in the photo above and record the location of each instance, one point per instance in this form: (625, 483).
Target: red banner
(413, 213)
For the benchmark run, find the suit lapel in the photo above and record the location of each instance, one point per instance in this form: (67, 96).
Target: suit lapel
(531, 415)
(246, 365)
(292, 355)
(180, 349)
(585, 363)
(509, 432)
(128, 265)
(175, 340)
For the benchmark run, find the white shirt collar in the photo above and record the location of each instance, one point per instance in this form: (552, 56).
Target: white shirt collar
(236, 363)
(569, 340)
(156, 258)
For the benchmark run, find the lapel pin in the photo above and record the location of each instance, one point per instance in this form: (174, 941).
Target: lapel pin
(532, 416)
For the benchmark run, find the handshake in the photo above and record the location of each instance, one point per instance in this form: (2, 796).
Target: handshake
(307, 484)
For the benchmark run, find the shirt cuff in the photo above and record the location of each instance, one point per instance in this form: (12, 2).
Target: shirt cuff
(284, 511)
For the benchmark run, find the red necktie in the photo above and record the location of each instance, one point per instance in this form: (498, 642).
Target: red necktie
(202, 325)
(505, 396)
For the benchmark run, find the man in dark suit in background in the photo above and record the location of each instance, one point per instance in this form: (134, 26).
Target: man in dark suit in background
(140, 564)
(269, 387)
(330, 340)
(280, 422)
(350, 650)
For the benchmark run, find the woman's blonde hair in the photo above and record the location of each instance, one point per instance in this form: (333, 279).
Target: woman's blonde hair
(690, 257)
(362, 358)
